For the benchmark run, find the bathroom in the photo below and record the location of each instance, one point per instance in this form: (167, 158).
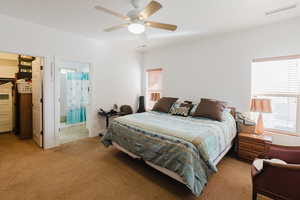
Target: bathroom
(74, 87)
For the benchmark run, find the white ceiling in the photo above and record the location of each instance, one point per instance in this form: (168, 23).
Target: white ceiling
(201, 17)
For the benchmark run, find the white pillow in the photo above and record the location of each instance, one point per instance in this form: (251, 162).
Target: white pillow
(258, 163)
(193, 110)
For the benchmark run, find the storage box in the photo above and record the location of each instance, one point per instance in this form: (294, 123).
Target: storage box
(24, 88)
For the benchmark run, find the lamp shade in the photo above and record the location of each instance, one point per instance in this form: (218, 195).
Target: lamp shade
(261, 105)
(155, 96)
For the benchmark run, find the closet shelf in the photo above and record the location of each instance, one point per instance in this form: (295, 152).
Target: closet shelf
(25, 66)
(26, 59)
(22, 75)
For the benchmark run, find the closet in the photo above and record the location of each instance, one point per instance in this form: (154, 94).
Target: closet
(21, 96)
(24, 97)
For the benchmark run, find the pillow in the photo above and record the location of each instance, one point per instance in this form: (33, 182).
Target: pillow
(178, 104)
(226, 114)
(175, 105)
(211, 109)
(187, 104)
(194, 108)
(182, 109)
(164, 104)
(259, 163)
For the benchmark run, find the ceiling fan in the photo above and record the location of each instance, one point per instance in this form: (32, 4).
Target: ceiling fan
(137, 18)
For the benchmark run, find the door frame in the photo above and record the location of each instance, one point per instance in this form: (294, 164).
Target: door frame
(48, 103)
(46, 95)
(48, 72)
(57, 96)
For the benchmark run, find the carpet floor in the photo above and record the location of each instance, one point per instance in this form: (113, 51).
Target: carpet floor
(86, 170)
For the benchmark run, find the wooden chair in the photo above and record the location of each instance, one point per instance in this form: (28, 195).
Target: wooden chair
(278, 181)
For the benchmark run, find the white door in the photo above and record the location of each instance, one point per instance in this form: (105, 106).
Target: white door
(37, 105)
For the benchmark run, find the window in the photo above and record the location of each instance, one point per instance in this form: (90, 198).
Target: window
(153, 87)
(279, 80)
(66, 70)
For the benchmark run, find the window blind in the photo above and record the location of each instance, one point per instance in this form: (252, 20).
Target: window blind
(279, 80)
(276, 77)
(154, 86)
(154, 80)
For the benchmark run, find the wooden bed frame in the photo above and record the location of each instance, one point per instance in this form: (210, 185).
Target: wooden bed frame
(169, 172)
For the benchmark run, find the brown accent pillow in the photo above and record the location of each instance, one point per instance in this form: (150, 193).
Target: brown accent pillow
(164, 104)
(210, 108)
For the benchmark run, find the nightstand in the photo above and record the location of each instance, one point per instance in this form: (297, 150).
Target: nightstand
(251, 145)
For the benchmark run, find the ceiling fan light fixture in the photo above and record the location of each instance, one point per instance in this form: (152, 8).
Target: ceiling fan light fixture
(137, 19)
(136, 28)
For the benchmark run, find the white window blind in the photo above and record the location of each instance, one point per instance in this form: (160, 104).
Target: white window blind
(276, 77)
(155, 80)
(279, 80)
(154, 86)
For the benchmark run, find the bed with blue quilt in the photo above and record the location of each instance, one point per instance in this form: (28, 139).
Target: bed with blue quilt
(185, 148)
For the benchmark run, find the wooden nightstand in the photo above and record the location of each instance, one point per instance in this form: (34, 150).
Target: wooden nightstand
(251, 145)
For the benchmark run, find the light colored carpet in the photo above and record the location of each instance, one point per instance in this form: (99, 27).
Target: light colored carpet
(73, 133)
(86, 170)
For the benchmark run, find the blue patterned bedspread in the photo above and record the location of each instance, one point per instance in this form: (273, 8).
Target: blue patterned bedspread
(185, 145)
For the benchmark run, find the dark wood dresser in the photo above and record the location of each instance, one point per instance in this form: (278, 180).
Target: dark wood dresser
(24, 116)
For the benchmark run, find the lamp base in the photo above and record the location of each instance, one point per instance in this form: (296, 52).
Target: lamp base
(259, 128)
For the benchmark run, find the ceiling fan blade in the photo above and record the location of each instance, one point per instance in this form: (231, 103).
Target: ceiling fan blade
(169, 27)
(113, 28)
(100, 8)
(150, 9)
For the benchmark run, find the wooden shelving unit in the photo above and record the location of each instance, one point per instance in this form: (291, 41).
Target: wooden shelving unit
(25, 67)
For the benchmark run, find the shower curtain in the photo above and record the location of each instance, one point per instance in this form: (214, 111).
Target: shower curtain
(77, 96)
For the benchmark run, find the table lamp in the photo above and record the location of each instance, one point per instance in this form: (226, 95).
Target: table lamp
(155, 96)
(260, 106)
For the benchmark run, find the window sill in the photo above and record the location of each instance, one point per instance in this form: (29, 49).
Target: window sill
(277, 132)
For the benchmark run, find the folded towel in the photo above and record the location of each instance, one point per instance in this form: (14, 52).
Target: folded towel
(258, 163)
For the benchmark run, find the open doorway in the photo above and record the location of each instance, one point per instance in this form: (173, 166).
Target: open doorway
(73, 80)
(21, 107)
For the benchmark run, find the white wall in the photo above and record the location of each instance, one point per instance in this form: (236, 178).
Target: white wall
(220, 66)
(115, 75)
(286, 140)
(117, 81)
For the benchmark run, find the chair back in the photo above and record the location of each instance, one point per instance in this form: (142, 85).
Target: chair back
(126, 110)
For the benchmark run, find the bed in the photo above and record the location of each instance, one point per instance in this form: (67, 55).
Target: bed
(187, 149)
